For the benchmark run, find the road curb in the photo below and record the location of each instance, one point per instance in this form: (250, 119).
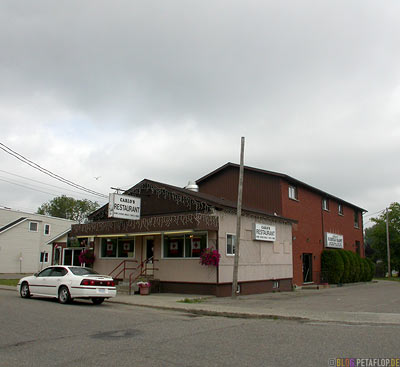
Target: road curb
(8, 288)
(240, 315)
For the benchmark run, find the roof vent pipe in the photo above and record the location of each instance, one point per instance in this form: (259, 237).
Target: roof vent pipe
(192, 186)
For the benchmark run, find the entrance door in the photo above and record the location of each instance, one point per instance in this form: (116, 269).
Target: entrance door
(71, 256)
(149, 243)
(307, 268)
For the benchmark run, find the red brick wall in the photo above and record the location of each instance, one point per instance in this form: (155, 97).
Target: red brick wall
(313, 222)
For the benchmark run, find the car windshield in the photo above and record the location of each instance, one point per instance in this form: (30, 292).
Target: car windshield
(82, 271)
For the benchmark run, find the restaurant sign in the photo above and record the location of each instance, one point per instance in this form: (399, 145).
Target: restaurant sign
(264, 232)
(333, 240)
(124, 207)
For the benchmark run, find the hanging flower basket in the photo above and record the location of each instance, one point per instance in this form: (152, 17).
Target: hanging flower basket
(86, 257)
(210, 257)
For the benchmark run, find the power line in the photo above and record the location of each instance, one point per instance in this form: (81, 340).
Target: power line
(43, 183)
(379, 211)
(47, 172)
(27, 187)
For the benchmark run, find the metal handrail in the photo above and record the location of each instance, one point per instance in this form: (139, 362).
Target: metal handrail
(123, 262)
(142, 272)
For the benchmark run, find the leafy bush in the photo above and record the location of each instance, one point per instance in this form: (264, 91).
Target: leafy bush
(353, 267)
(371, 269)
(332, 264)
(363, 270)
(346, 262)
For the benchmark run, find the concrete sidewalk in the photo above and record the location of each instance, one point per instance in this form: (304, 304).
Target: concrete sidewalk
(364, 303)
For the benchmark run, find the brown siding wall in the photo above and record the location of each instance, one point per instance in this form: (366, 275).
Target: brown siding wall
(260, 191)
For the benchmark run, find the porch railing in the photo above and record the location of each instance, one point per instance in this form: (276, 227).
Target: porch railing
(142, 270)
(122, 267)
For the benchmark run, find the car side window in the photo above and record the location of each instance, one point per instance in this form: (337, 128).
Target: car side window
(45, 272)
(58, 272)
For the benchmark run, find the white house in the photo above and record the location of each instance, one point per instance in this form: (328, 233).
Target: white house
(25, 240)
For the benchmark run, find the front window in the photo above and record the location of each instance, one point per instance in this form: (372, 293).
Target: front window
(356, 219)
(292, 192)
(118, 247)
(44, 257)
(33, 226)
(47, 229)
(230, 244)
(325, 204)
(340, 209)
(184, 245)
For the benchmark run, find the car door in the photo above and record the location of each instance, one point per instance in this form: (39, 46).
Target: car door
(56, 279)
(40, 285)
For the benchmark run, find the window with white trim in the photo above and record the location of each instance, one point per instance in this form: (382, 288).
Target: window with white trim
(292, 192)
(46, 230)
(118, 247)
(325, 204)
(44, 257)
(340, 209)
(188, 245)
(230, 244)
(33, 226)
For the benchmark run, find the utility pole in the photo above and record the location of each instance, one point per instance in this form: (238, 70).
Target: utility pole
(387, 243)
(238, 220)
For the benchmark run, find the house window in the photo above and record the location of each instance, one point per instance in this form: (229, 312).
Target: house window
(230, 244)
(184, 245)
(340, 209)
(47, 229)
(33, 226)
(356, 220)
(44, 257)
(275, 285)
(325, 204)
(119, 247)
(292, 192)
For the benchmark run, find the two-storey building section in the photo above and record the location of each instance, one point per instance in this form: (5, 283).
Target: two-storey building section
(323, 220)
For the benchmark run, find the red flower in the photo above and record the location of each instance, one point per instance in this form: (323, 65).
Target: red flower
(209, 256)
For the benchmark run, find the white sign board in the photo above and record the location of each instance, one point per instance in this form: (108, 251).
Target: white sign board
(264, 232)
(333, 240)
(124, 207)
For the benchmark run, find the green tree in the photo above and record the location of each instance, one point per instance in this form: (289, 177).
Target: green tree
(68, 208)
(376, 236)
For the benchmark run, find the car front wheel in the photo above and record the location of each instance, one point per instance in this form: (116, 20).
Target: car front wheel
(97, 300)
(63, 295)
(24, 290)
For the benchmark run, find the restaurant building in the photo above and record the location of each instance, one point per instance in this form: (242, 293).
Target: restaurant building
(322, 220)
(174, 227)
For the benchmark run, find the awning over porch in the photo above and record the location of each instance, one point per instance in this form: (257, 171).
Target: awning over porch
(187, 221)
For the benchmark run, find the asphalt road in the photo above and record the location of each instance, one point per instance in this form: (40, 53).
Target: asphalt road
(39, 332)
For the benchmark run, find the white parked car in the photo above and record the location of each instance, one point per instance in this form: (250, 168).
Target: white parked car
(67, 283)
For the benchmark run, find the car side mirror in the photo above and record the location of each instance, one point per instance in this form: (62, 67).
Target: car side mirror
(35, 275)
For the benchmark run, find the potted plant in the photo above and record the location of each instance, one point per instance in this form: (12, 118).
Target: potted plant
(144, 288)
(210, 256)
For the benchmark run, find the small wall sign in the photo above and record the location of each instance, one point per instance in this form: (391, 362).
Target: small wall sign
(333, 240)
(264, 232)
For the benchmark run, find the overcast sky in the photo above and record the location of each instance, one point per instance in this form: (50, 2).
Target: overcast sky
(126, 90)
